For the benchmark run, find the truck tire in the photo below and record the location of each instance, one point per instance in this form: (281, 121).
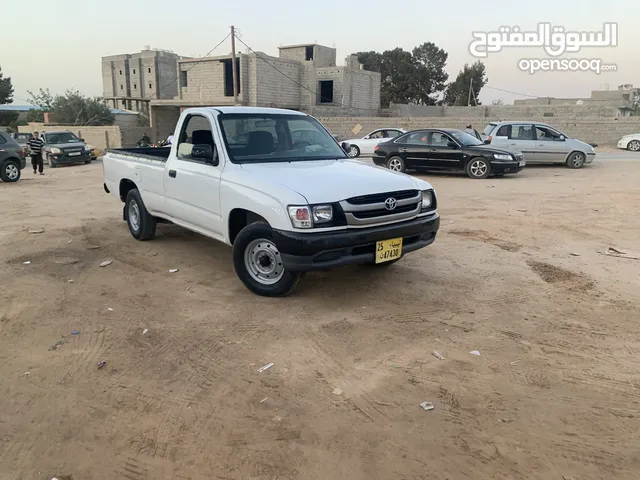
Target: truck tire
(10, 171)
(257, 262)
(141, 224)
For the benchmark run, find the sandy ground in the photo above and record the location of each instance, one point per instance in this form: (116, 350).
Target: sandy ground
(515, 274)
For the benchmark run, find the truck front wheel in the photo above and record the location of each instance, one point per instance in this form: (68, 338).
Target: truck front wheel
(141, 225)
(259, 265)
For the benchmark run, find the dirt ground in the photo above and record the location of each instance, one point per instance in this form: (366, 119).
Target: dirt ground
(516, 273)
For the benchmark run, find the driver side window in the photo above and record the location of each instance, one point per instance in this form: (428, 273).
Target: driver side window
(377, 134)
(546, 134)
(195, 131)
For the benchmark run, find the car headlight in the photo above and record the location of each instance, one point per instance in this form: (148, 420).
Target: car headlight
(87, 148)
(300, 216)
(322, 213)
(427, 200)
(56, 151)
(500, 156)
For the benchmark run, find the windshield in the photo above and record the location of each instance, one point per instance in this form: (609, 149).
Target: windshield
(466, 139)
(488, 129)
(265, 138)
(62, 137)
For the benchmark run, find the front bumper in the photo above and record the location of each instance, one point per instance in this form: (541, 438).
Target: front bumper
(506, 167)
(66, 158)
(590, 158)
(623, 144)
(315, 251)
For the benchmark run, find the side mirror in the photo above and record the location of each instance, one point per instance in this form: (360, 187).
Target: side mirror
(204, 152)
(82, 140)
(561, 138)
(452, 144)
(346, 146)
(487, 142)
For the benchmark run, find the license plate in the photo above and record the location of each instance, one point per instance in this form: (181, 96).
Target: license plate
(75, 154)
(522, 163)
(387, 250)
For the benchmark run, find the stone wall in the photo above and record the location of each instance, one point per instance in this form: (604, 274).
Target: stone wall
(603, 131)
(505, 112)
(100, 137)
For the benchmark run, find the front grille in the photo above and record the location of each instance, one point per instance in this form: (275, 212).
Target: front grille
(371, 209)
(381, 197)
(382, 212)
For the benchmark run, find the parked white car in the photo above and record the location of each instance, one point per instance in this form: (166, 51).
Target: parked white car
(366, 145)
(539, 143)
(630, 142)
(284, 194)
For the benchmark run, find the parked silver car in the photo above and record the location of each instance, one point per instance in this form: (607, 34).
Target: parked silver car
(366, 145)
(540, 143)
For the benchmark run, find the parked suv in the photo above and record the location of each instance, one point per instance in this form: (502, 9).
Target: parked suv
(22, 139)
(12, 159)
(540, 143)
(64, 147)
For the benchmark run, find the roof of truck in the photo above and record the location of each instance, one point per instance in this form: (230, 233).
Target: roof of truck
(254, 110)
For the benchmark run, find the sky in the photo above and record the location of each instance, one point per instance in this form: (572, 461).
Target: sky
(60, 43)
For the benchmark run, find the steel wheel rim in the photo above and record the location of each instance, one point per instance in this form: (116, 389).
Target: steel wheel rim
(634, 146)
(353, 151)
(12, 171)
(395, 164)
(478, 168)
(134, 215)
(577, 160)
(263, 262)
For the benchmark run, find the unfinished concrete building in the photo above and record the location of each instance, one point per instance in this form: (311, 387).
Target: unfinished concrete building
(302, 77)
(131, 81)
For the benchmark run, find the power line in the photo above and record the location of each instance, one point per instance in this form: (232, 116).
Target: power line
(192, 66)
(509, 91)
(281, 72)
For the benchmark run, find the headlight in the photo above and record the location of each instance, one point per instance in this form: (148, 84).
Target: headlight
(87, 148)
(322, 213)
(56, 151)
(427, 199)
(300, 216)
(499, 156)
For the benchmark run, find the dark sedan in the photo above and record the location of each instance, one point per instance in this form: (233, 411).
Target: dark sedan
(446, 149)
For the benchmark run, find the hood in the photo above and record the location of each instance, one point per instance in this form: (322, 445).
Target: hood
(324, 181)
(490, 149)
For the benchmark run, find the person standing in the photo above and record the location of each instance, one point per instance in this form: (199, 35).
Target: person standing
(36, 144)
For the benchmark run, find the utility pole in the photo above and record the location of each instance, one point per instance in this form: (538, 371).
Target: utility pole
(233, 65)
(470, 88)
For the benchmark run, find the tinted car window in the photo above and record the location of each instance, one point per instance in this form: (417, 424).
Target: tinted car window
(439, 139)
(521, 132)
(503, 131)
(393, 133)
(416, 138)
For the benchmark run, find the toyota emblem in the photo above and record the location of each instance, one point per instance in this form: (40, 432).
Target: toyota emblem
(390, 203)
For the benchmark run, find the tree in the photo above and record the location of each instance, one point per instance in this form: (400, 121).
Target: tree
(72, 108)
(497, 101)
(42, 99)
(408, 77)
(465, 89)
(6, 89)
(8, 118)
(430, 75)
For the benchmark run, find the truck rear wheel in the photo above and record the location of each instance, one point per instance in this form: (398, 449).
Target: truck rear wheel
(141, 225)
(258, 263)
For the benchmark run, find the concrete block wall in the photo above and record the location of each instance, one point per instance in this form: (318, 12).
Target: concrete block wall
(99, 137)
(324, 56)
(589, 129)
(340, 87)
(268, 86)
(505, 112)
(166, 81)
(297, 54)
(205, 81)
(365, 89)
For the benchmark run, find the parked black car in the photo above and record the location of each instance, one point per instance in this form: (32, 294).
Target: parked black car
(12, 159)
(446, 149)
(64, 147)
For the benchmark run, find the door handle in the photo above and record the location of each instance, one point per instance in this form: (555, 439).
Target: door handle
(404, 149)
(172, 173)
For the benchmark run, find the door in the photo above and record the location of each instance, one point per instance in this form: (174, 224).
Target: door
(192, 186)
(414, 148)
(522, 139)
(441, 155)
(551, 146)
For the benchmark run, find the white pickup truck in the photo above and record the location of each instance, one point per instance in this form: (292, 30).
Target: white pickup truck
(278, 188)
